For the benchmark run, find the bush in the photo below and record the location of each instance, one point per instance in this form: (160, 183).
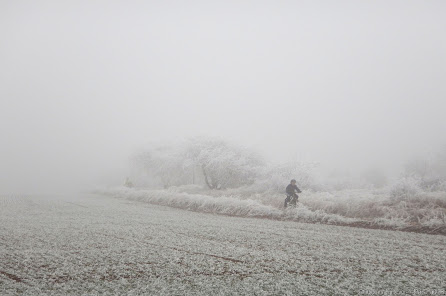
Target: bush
(405, 188)
(276, 177)
(433, 184)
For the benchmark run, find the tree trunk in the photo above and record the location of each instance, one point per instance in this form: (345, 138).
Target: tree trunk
(206, 178)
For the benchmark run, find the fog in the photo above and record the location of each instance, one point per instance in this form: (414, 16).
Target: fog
(348, 84)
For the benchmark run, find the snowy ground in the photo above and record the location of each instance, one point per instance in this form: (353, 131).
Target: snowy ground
(91, 244)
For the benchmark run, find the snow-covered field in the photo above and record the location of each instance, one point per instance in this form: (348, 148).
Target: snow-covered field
(90, 245)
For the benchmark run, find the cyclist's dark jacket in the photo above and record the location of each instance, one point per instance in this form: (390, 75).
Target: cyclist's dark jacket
(290, 189)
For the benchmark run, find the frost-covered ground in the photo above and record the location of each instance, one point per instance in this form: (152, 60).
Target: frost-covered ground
(89, 245)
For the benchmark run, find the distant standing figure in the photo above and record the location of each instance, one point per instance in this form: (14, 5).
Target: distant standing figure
(291, 193)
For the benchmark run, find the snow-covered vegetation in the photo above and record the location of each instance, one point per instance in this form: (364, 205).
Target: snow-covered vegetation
(362, 208)
(225, 205)
(210, 175)
(212, 161)
(95, 245)
(216, 164)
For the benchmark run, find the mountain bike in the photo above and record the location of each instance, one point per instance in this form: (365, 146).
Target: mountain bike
(291, 200)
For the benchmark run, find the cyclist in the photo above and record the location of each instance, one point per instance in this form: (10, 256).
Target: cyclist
(291, 193)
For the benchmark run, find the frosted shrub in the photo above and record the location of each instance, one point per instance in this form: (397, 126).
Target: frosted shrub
(433, 184)
(442, 186)
(405, 188)
(348, 207)
(277, 176)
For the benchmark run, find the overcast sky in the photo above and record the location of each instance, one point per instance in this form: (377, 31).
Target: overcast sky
(351, 84)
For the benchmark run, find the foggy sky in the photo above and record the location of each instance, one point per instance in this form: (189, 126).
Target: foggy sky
(83, 84)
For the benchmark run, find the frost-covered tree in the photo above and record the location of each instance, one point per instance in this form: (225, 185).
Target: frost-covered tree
(418, 168)
(224, 165)
(429, 171)
(221, 164)
(439, 165)
(164, 162)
